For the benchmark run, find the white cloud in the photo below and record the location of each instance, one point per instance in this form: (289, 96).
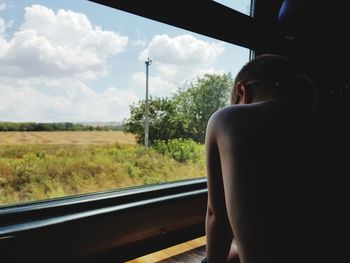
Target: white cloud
(178, 60)
(63, 44)
(182, 50)
(45, 65)
(2, 6)
(2, 26)
(157, 86)
(77, 102)
(139, 42)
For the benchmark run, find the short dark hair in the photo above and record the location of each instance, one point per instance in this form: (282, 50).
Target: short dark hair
(273, 73)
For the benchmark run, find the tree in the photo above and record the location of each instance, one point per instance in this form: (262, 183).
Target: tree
(164, 121)
(185, 115)
(205, 96)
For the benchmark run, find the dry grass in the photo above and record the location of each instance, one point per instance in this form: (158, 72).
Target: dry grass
(67, 137)
(45, 165)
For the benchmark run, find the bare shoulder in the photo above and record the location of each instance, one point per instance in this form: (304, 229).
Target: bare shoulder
(234, 116)
(219, 119)
(247, 120)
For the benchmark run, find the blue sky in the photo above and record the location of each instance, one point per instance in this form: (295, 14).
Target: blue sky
(80, 61)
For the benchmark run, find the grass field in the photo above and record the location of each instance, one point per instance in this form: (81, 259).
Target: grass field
(45, 165)
(67, 137)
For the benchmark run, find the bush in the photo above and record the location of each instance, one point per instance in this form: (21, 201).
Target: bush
(34, 172)
(182, 150)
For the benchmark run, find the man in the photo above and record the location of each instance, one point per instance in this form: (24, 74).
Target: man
(256, 156)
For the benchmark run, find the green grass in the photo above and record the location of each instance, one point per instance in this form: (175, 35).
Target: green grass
(42, 171)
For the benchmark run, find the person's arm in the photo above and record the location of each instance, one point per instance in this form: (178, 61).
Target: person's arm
(218, 230)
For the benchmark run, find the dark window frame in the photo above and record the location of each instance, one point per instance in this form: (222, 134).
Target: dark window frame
(121, 224)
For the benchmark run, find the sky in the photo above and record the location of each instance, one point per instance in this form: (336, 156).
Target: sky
(78, 61)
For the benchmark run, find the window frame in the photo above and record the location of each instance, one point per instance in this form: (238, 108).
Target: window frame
(171, 213)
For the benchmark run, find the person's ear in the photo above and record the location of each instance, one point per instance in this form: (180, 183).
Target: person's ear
(245, 95)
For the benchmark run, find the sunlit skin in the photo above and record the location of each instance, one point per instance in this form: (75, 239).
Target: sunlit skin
(246, 161)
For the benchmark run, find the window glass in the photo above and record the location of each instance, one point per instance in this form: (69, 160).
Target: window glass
(242, 6)
(73, 82)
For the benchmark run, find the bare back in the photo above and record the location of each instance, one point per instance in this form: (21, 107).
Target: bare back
(262, 151)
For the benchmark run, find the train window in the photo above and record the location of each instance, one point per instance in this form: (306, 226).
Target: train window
(73, 84)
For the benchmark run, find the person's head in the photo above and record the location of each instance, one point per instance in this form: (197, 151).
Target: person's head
(272, 76)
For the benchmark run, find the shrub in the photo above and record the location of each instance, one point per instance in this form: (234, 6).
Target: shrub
(34, 172)
(182, 150)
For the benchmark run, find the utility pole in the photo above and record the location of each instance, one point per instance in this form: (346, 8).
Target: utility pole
(148, 62)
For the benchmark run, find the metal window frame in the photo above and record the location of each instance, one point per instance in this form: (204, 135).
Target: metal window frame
(104, 227)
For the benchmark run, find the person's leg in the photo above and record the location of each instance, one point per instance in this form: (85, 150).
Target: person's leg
(233, 256)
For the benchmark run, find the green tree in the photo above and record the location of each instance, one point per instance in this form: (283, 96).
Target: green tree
(197, 103)
(185, 115)
(164, 122)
